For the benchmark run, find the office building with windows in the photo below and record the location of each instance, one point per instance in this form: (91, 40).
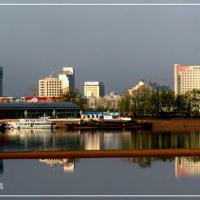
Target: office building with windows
(94, 89)
(186, 78)
(67, 78)
(50, 87)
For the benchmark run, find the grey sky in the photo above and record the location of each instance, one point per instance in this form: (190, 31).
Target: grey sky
(115, 44)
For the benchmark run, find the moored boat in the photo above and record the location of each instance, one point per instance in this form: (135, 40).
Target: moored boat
(105, 125)
(41, 123)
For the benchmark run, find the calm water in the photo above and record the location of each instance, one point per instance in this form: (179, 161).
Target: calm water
(25, 140)
(101, 176)
(180, 175)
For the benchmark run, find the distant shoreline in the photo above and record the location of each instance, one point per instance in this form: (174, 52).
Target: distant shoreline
(176, 124)
(171, 124)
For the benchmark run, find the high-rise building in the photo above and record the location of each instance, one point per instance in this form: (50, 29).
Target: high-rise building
(94, 89)
(50, 87)
(67, 77)
(1, 81)
(186, 78)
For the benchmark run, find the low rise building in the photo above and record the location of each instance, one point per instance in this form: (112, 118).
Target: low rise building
(141, 88)
(36, 110)
(108, 102)
(135, 88)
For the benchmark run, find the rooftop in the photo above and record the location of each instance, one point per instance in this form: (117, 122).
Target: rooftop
(39, 105)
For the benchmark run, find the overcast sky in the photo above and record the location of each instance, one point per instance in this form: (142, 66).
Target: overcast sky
(116, 44)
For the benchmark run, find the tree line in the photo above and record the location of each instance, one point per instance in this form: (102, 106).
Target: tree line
(146, 102)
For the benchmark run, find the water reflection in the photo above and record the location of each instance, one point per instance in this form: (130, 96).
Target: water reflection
(146, 162)
(94, 176)
(183, 166)
(187, 166)
(1, 167)
(67, 164)
(96, 140)
(91, 141)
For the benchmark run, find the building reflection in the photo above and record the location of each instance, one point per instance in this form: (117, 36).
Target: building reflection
(187, 166)
(102, 140)
(97, 140)
(91, 141)
(67, 164)
(112, 140)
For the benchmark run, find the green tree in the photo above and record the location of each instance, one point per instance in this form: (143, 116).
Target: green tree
(76, 97)
(124, 104)
(194, 98)
(183, 105)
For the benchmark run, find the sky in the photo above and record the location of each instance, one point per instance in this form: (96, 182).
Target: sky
(118, 45)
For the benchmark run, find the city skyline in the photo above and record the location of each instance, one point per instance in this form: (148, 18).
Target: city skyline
(91, 104)
(140, 44)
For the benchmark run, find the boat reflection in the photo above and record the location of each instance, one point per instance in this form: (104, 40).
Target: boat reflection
(40, 139)
(24, 132)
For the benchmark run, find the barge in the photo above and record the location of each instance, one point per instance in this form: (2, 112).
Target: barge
(110, 125)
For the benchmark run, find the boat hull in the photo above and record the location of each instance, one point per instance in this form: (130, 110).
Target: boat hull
(41, 123)
(109, 126)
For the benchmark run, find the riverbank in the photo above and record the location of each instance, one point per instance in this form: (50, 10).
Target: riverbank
(174, 124)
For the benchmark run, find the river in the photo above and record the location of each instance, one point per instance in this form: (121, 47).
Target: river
(102, 176)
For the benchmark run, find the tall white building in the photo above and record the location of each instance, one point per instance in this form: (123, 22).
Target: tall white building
(67, 77)
(186, 78)
(94, 89)
(50, 87)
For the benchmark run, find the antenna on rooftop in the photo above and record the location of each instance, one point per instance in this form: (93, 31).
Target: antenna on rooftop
(53, 73)
(34, 91)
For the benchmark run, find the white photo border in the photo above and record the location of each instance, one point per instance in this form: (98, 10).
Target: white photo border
(100, 4)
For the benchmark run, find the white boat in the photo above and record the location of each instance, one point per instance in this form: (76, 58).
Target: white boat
(41, 123)
(112, 119)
